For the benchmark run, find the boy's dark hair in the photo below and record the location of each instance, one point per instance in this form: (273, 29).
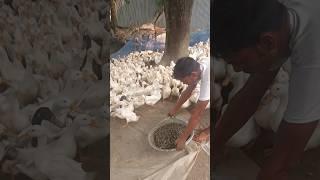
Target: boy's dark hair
(184, 67)
(239, 23)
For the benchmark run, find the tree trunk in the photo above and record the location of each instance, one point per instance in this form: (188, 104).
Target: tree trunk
(107, 24)
(178, 17)
(114, 22)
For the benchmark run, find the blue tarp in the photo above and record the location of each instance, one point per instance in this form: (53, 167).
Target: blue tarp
(151, 44)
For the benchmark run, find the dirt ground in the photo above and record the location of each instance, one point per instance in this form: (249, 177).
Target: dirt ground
(200, 170)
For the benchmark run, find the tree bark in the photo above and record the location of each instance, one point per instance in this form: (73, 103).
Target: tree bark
(107, 25)
(114, 22)
(178, 17)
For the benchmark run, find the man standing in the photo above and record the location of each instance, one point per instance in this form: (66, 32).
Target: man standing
(190, 72)
(257, 37)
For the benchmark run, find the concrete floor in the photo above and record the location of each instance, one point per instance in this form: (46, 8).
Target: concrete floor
(245, 164)
(200, 170)
(236, 166)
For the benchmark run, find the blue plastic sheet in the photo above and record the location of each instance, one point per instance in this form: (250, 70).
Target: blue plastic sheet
(150, 44)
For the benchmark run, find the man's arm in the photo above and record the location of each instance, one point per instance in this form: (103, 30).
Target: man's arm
(242, 106)
(185, 95)
(195, 117)
(203, 135)
(206, 130)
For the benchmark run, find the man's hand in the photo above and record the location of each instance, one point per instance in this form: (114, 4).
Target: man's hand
(172, 113)
(202, 136)
(181, 142)
(194, 120)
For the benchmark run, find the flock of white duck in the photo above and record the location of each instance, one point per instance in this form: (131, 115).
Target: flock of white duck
(136, 80)
(53, 85)
(271, 109)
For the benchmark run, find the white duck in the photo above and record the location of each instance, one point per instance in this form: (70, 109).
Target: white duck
(95, 28)
(186, 104)
(18, 49)
(44, 135)
(57, 103)
(287, 66)
(87, 135)
(314, 140)
(247, 133)
(66, 145)
(138, 101)
(238, 80)
(74, 78)
(12, 117)
(282, 76)
(60, 105)
(22, 82)
(37, 60)
(94, 96)
(195, 94)
(219, 68)
(126, 112)
(153, 98)
(42, 165)
(270, 112)
(166, 91)
(217, 97)
(229, 73)
(48, 86)
(88, 69)
(175, 91)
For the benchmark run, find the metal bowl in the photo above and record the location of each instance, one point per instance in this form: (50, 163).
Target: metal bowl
(162, 123)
